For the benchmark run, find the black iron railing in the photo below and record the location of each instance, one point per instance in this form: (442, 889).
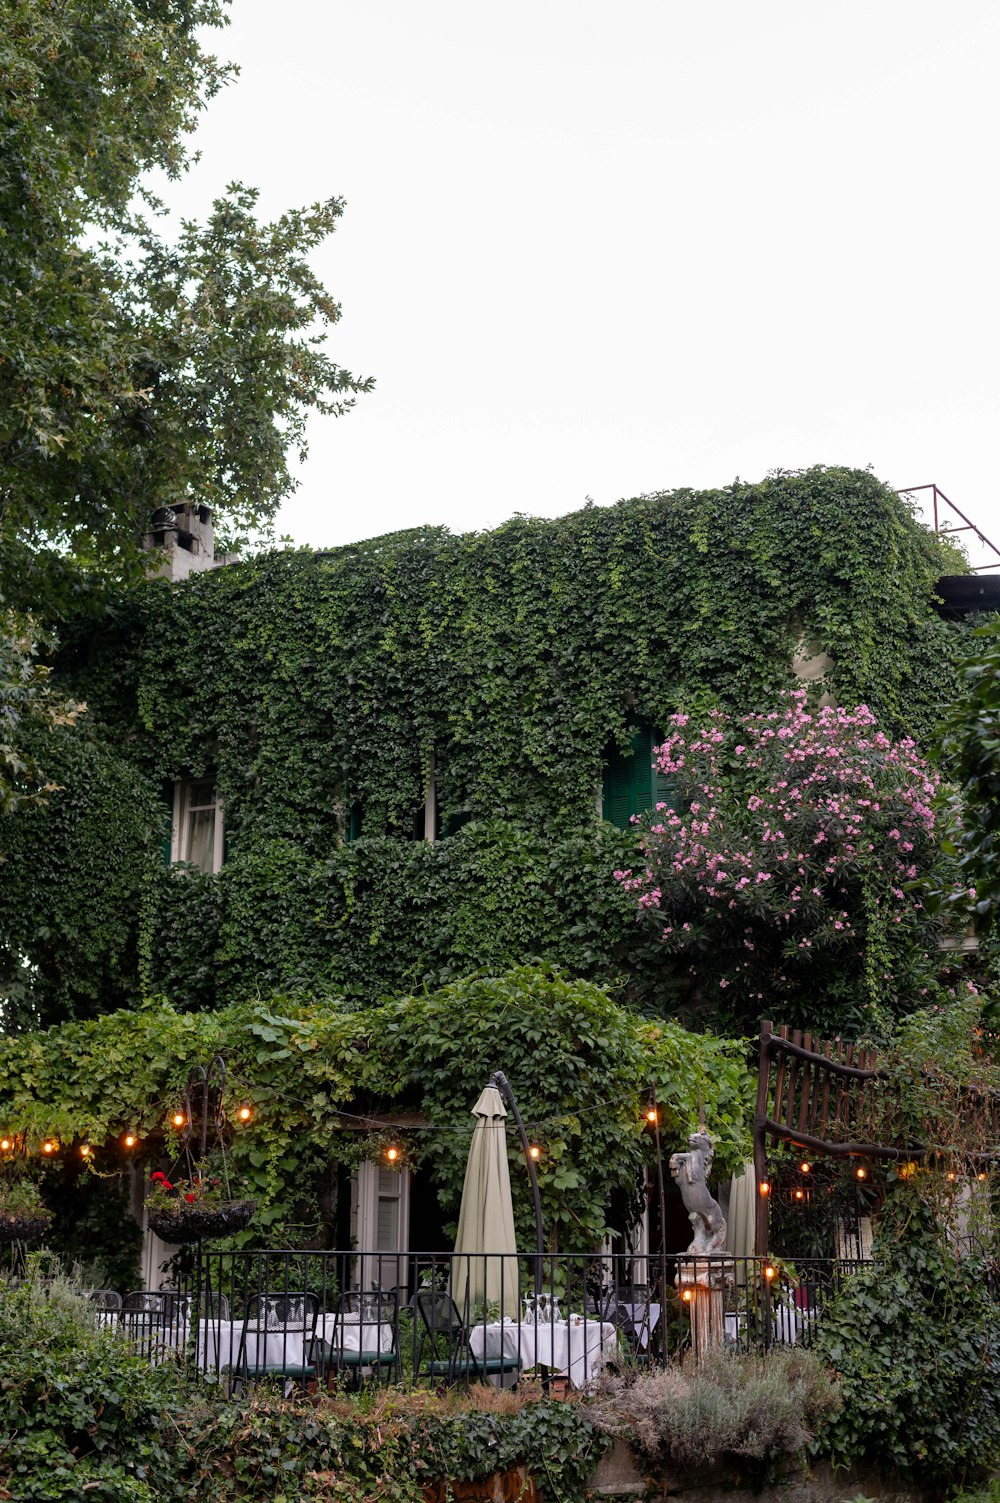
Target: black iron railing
(300, 1319)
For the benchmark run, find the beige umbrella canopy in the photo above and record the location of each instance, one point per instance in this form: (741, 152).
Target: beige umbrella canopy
(741, 1220)
(486, 1217)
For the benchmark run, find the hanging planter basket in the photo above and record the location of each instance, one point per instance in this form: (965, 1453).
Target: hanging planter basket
(196, 1222)
(23, 1226)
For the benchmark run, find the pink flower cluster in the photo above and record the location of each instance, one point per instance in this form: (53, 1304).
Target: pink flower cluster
(808, 822)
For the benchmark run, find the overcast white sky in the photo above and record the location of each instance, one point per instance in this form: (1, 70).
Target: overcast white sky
(606, 248)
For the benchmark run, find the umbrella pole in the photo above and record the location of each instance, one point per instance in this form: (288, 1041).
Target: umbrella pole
(502, 1084)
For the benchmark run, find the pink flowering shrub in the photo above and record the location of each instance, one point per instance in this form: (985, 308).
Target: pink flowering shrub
(783, 872)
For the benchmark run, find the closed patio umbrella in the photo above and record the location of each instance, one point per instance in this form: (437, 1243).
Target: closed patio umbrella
(486, 1217)
(740, 1223)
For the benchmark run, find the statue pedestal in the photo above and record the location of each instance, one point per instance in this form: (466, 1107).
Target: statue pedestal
(702, 1283)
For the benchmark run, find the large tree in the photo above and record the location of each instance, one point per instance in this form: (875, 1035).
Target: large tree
(136, 371)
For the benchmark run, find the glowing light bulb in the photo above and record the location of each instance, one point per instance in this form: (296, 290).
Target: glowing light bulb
(130, 1140)
(980, 1177)
(861, 1173)
(392, 1154)
(85, 1150)
(535, 1151)
(688, 1295)
(804, 1167)
(245, 1113)
(6, 1144)
(800, 1195)
(765, 1188)
(651, 1114)
(48, 1146)
(178, 1119)
(770, 1271)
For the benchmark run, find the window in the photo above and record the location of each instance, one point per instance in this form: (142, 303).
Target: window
(631, 783)
(380, 1224)
(197, 833)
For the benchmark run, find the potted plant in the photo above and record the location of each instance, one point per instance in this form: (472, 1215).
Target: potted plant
(23, 1216)
(186, 1210)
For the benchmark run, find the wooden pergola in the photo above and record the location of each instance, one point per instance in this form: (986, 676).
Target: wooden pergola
(811, 1091)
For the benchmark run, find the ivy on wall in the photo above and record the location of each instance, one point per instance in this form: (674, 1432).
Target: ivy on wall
(580, 1065)
(386, 915)
(318, 687)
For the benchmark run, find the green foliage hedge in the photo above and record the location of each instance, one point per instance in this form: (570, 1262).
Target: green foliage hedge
(317, 684)
(82, 1417)
(578, 1062)
(915, 1341)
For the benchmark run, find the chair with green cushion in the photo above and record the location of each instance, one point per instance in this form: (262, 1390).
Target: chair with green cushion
(292, 1314)
(452, 1359)
(356, 1346)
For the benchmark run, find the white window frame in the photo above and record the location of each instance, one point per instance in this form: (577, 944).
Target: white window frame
(180, 827)
(385, 1266)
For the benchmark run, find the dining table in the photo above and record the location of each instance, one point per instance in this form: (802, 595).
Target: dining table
(576, 1347)
(227, 1344)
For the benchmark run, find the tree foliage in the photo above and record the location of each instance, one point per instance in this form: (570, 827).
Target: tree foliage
(785, 873)
(137, 372)
(970, 748)
(28, 704)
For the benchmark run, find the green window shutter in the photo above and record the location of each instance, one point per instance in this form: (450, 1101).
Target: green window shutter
(167, 797)
(630, 784)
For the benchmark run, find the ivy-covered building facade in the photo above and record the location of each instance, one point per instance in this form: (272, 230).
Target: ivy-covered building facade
(340, 778)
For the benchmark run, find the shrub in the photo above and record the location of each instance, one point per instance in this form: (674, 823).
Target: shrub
(80, 1414)
(748, 1412)
(915, 1340)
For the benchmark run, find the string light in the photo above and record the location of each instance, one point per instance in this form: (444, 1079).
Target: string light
(6, 1145)
(651, 1114)
(85, 1150)
(535, 1151)
(130, 1140)
(392, 1154)
(861, 1173)
(800, 1195)
(804, 1167)
(48, 1146)
(245, 1113)
(688, 1295)
(769, 1272)
(178, 1119)
(764, 1187)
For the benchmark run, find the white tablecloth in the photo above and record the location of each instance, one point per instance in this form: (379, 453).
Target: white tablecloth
(574, 1347)
(287, 1346)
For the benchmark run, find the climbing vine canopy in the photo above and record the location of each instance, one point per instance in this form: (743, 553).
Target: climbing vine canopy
(317, 1075)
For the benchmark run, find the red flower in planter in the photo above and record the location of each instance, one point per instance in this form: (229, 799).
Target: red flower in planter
(190, 1195)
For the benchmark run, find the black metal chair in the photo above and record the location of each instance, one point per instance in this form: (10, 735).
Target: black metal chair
(365, 1319)
(157, 1320)
(108, 1301)
(168, 1304)
(292, 1313)
(214, 1307)
(451, 1358)
(632, 1319)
